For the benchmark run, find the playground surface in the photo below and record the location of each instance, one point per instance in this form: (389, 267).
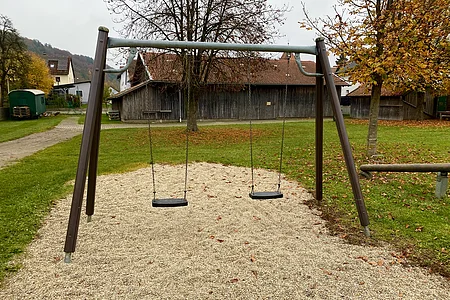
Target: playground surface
(223, 245)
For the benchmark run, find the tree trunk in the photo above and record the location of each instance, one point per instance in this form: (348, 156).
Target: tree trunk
(373, 120)
(420, 106)
(3, 91)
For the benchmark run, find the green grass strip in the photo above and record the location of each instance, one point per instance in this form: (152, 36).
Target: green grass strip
(402, 207)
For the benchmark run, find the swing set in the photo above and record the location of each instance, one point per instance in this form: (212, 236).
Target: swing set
(88, 158)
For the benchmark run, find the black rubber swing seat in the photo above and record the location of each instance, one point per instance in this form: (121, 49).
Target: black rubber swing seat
(266, 195)
(169, 202)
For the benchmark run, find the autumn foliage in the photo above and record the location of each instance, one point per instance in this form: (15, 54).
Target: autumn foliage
(402, 45)
(38, 75)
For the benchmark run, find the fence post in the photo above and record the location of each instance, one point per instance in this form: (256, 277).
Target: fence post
(441, 184)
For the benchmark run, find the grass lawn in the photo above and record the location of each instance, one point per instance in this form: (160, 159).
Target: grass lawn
(14, 129)
(402, 207)
(105, 120)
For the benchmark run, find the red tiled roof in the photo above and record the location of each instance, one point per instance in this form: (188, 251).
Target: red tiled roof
(167, 67)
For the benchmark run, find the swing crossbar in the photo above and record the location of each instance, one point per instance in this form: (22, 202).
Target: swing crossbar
(169, 202)
(120, 42)
(266, 195)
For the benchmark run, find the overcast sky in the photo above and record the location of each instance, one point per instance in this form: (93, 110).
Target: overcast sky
(73, 24)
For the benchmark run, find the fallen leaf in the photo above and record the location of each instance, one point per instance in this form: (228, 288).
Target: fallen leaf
(364, 258)
(252, 258)
(326, 272)
(255, 273)
(234, 280)
(220, 241)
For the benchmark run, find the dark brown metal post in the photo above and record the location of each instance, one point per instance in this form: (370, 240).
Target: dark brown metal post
(345, 144)
(93, 160)
(95, 94)
(319, 132)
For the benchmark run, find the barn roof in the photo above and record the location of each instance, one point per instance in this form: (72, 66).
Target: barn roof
(365, 91)
(260, 71)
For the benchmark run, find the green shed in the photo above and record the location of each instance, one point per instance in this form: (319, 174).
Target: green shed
(26, 103)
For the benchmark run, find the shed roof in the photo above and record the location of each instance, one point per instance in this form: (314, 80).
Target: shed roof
(33, 91)
(365, 91)
(225, 70)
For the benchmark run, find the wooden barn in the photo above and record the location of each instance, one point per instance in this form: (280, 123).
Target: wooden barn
(277, 88)
(393, 106)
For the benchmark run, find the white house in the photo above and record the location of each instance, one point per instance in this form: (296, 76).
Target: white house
(61, 70)
(81, 89)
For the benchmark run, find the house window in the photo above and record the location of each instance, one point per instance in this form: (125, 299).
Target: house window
(58, 79)
(80, 94)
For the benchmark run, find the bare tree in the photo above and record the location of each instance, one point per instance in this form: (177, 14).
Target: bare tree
(226, 21)
(12, 54)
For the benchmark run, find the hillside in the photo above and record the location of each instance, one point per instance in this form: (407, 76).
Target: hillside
(83, 65)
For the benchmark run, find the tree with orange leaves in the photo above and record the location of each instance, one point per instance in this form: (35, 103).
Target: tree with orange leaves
(398, 44)
(38, 75)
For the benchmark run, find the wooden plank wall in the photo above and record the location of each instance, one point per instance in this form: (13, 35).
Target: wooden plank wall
(267, 102)
(359, 107)
(411, 104)
(392, 108)
(151, 98)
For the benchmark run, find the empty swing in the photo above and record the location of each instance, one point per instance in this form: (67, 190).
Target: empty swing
(173, 202)
(277, 193)
(167, 202)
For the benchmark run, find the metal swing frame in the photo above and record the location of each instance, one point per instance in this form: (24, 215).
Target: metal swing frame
(88, 158)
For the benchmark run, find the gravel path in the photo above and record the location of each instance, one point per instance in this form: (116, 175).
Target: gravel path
(223, 245)
(14, 150)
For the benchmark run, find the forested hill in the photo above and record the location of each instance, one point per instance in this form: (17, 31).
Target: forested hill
(83, 65)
